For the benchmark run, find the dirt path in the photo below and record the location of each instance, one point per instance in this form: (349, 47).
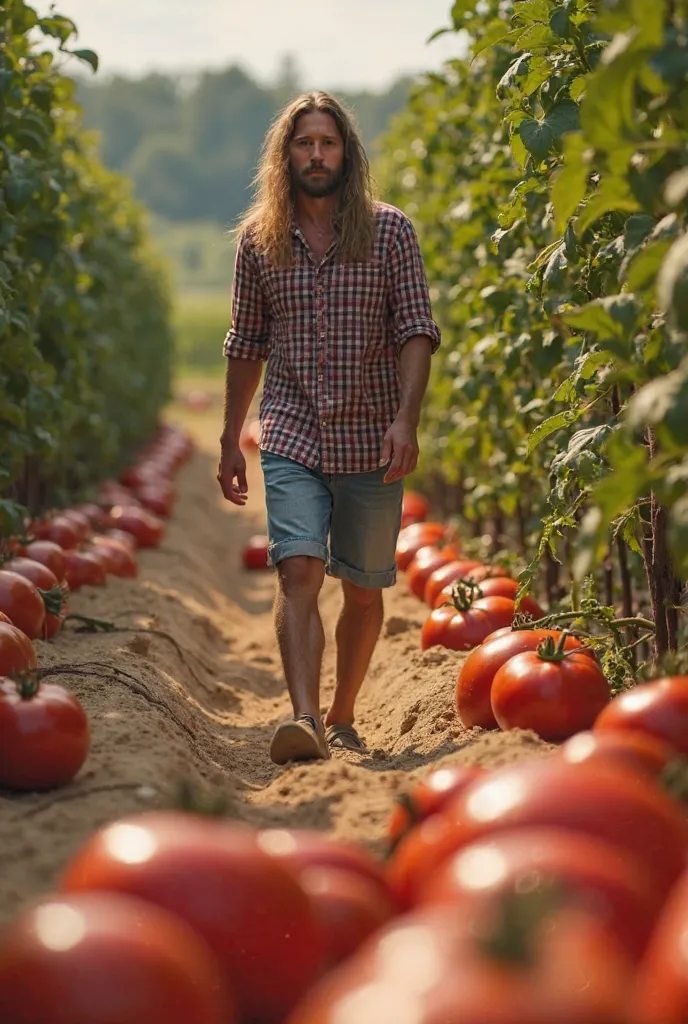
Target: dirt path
(198, 704)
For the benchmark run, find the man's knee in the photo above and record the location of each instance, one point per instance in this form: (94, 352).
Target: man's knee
(301, 574)
(362, 598)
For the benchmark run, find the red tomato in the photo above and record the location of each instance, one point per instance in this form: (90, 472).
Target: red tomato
(555, 695)
(474, 683)
(598, 877)
(148, 529)
(605, 801)
(54, 596)
(414, 508)
(97, 517)
(659, 708)
(462, 630)
(61, 530)
(441, 580)
(17, 653)
(437, 967)
(128, 539)
(21, 602)
(113, 493)
(416, 536)
(497, 586)
(95, 958)
(44, 735)
(428, 797)
(84, 570)
(80, 520)
(49, 554)
(637, 750)
(255, 553)
(249, 908)
(157, 499)
(424, 563)
(348, 908)
(120, 557)
(660, 995)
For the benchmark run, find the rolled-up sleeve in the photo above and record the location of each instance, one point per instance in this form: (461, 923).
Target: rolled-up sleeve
(409, 293)
(249, 333)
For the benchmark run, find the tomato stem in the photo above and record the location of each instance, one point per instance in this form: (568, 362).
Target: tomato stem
(27, 683)
(511, 934)
(463, 593)
(54, 599)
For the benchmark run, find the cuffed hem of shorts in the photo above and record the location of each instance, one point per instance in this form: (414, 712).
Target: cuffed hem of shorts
(367, 580)
(296, 546)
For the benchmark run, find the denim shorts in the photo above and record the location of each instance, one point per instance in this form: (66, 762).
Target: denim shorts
(349, 520)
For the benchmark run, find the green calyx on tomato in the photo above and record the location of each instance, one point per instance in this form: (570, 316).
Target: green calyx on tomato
(464, 593)
(54, 599)
(27, 684)
(510, 936)
(554, 650)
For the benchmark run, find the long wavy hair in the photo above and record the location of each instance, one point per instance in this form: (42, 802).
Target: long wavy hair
(269, 218)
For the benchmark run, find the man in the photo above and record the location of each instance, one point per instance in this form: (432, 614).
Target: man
(330, 289)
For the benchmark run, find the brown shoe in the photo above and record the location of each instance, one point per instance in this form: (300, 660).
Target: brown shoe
(298, 740)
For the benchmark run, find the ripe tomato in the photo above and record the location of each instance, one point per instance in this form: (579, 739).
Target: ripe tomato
(428, 797)
(157, 498)
(148, 529)
(95, 958)
(637, 750)
(659, 708)
(248, 907)
(437, 967)
(597, 876)
(80, 520)
(497, 586)
(44, 735)
(61, 530)
(21, 602)
(441, 581)
(555, 695)
(425, 561)
(97, 517)
(474, 683)
(461, 630)
(414, 537)
(17, 653)
(255, 553)
(113, 493)
(49, 554)
(606, 801)
(84, 570)
(660, 995)
(54, 596)
(414, 508)
(120, 557)
(348, 908)
(128, 539)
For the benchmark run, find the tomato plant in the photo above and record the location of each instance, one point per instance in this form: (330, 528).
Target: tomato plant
(659, 708)
(44, 734)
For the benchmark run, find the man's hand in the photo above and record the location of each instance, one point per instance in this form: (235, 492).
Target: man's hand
(232, 467)
(401, 446)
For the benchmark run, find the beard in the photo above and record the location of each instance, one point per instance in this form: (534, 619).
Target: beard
(318, 186)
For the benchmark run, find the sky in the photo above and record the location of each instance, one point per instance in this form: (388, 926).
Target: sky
(345, 43)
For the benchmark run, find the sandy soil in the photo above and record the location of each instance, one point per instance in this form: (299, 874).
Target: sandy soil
(192, 706)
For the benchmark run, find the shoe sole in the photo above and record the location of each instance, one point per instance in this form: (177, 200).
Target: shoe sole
(295, 742)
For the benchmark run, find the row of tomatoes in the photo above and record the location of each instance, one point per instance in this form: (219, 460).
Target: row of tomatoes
(44, 731)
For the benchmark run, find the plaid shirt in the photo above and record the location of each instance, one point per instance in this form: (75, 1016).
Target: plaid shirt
(331, 333)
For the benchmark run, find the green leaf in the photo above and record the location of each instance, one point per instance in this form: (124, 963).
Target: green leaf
(607, 111)
(87, 56)
(460, 9)
(553, 424)
(559, 22)
(644, 268)
(663, 404)
(586, 367)
(540, 137)
(570, 183)
(676, 188)
(638, 227)
(57, 26)
(613, 195)
(672, 283)
(613, 319)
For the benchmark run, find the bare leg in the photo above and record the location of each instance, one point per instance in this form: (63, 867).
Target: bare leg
(357, 632)
(300, 634)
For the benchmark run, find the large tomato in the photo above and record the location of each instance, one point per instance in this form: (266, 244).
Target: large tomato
(147, 528)
(22, 603)
(248, 907)
(637, 750)
(61, 530)
(441, 581)
(496, 586)
(552, 692)
(49, 554)
(44, 735)
(81, 522)
(425, 561)
(255, 552)
(606, 801)
(474, 683)
(438, 967)
(84, 570)
(461, 629)
(660, 995)
(17, 653)
(416, 536)
(54, 596)
(97, 958)
(597, 876)
(414, 508)
(120, 558)
(659, 708)
(158, 496)
(428, 797)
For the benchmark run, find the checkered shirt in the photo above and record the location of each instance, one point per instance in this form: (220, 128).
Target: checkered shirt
(331, 333)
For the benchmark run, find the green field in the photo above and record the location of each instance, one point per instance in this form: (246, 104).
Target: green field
(200, 322)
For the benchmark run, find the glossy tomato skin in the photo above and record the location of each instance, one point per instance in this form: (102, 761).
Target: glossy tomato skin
(249, 908)
(120, 557)
(474, 683)
(659, 708)
(147, 528)
(414, 537)
(441, 581)
(43, 578)
(44, 739)
(598, 877)
(48, 553)
(660, 995)
(95, 958)
(462, 631)
(414, 508)
(17, 653)
(505, 586)
(637, 750)
(255, 553)
(425, 561)
(604, 801)
(84, 570)
(21, 602)
(429, 796)
(553, 699)
(61, 530)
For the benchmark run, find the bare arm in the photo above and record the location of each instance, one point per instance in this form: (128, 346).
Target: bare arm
(401, 440)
